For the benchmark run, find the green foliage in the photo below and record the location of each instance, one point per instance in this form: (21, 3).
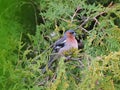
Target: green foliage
(28, 28)
(12, 75)
(103, 73)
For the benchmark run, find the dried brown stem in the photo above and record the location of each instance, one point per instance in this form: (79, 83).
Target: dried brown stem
(75, 13)
(54, 77)
(42, 83)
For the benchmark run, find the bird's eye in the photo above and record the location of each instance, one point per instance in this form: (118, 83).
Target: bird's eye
(71, 32)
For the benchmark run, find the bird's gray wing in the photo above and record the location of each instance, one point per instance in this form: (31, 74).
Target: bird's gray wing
(59, 44)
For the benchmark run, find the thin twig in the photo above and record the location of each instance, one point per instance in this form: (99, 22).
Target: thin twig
(65, 20)
(79, 60)
(53, 58)
(111, 3)
(96, 22)
(81, 63)
(54, 77)
(85, 22)
(84, 29)
(75, 59)
(35, 58)
(81, 25)
(101, 13)
(75, 13)
(75, 76)
(42, 83)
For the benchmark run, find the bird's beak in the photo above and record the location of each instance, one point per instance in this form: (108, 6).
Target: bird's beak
(74, 34)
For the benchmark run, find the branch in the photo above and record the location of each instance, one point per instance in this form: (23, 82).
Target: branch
(75, 13)
(65, 20)
(42, 83)
(85, 22)
(74, 76)
(94, 18)
(37, 57)
(75, 59)
(84, 29)
(54, 77)
(81, 25)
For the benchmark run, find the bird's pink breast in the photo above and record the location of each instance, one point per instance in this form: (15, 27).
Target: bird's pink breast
(72, 42)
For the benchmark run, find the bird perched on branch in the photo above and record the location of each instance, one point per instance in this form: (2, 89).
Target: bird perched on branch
(63, 45)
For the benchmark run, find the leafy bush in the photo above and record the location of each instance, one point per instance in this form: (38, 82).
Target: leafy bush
(26, 39)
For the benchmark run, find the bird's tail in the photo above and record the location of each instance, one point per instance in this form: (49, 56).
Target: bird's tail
(50, 62)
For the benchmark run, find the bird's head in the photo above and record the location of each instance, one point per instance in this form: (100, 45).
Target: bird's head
(70, 33)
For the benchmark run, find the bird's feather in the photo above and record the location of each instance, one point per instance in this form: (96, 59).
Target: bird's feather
(59, 44)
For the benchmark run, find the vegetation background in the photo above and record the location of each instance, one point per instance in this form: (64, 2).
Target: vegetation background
(29, 27)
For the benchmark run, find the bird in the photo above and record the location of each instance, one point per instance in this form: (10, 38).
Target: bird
(65, 43)
(62, 45)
